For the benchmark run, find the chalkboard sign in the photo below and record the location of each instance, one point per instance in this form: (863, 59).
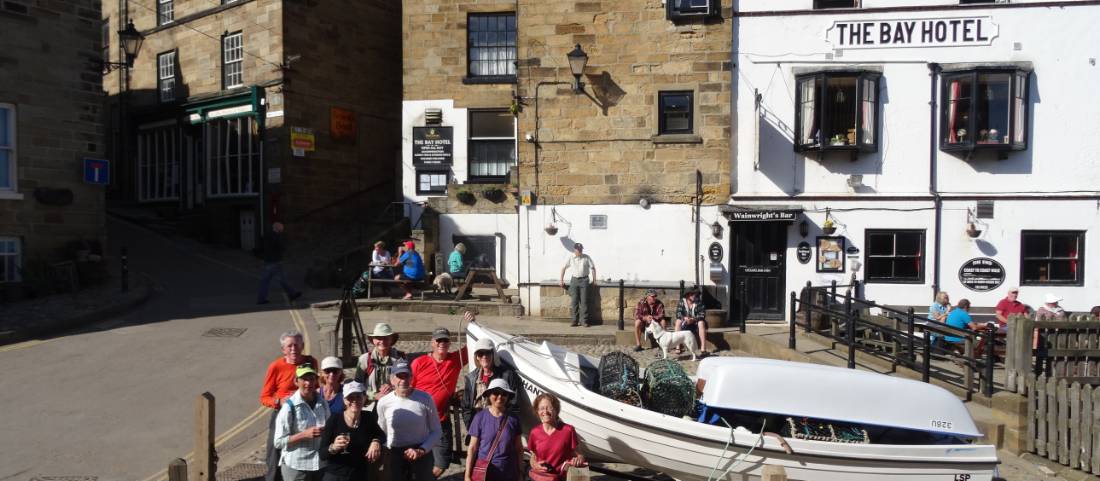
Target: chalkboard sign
(982, 274)
(432, 146)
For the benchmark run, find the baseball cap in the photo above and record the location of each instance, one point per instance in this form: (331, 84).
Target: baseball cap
(331, 362)
(303, 370)
(400, 368)
(651, 292)
(409, 244)
(354, 387)
(440, 333)
(578, 246)
(499, 384)
(483, 345)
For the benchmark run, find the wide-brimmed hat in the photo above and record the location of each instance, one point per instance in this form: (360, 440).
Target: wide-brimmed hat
(331, 362)
(382, 330)
(500, 384)
(1052, 299)
(354, 387)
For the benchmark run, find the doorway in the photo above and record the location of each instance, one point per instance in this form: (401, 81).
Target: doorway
(759, 269)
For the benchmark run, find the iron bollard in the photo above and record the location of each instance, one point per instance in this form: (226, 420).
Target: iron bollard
(926, 362)
(621, 305)
(794, 319)
(990, 358)
(852, 318)
(681, 289)
(811, 301)
(125, 271)
(832, 288)
(909, 327)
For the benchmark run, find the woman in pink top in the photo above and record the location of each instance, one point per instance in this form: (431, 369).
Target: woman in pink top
(553, 444)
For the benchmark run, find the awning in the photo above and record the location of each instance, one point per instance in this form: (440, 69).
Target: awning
(244, 104)
(761, 213)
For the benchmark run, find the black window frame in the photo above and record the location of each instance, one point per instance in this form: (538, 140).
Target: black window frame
(975, 2)
(820, 4)
(922, 266)
(471, 77)
(662, 116)
(684, 10)
(1080, 269)
(970, 142)
(432, 171)
(825, 116)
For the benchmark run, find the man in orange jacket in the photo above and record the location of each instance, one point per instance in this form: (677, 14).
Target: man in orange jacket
(279, 384)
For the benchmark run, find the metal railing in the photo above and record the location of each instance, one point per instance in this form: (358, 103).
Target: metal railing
(900, 337)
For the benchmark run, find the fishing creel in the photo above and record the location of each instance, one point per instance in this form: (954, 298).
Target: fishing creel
(668, 389)
(619, 378)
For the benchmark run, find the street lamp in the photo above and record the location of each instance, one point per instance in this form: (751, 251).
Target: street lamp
(131, 42)
(577, 61)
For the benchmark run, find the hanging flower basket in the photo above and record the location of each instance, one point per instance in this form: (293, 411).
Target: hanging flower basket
(466, 197)
(493, 195)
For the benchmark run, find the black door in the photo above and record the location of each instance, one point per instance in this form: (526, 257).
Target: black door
(759, 267)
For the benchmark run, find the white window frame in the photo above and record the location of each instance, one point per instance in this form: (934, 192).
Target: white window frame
(158, 164)
(166, 12)
(105, 40)
(11, 191)
(166, 76)
(233, 60)
(15, 275)
(472, 139)
(224, 157)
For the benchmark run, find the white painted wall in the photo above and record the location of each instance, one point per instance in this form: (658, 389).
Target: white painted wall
(484, 225)
(412, 114)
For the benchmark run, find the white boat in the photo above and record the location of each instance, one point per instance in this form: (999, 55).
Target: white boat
(751, 388)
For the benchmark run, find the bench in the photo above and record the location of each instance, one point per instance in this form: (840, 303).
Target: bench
(422, 285)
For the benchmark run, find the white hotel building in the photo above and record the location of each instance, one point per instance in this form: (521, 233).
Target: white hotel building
(954, 145)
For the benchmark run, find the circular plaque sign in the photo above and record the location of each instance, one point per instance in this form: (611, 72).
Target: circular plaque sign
(804, 252)
(982, 274)
(715, 252)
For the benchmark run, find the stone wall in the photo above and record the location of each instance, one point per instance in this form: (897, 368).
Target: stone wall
(554, 301)
(50, 73)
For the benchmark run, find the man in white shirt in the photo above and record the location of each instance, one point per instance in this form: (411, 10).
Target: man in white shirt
(582, 271)
(298, 429)
(411, 423)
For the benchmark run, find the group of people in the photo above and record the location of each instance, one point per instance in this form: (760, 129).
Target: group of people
(690, 316)
(393, 417)
(958, 316)
(406, 267)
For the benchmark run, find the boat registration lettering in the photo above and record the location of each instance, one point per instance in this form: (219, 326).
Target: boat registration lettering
(962, 477)
(530, 388)
(938, 424)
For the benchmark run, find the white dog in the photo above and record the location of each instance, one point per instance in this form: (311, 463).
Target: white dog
(668, 339)
(442, 283)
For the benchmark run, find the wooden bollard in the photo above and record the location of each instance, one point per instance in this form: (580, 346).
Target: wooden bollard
(177, 470)
(774, 473)
(205, 466)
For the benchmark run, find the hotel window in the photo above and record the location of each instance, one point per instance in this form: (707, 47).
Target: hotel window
(232, 60)
(1052, 258)
(431, 182)
(165, 11)
(895, 256)
(491, 47)
(166, 76)
(675, 111)
(233, 157)
(984, 110)
(492, 147)
(11, 259)
(158, 162)
(7, 147)
(823, 4)
(836, 111)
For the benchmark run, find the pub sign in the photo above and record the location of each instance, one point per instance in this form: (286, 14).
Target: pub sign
(433, 145)
(982, 274)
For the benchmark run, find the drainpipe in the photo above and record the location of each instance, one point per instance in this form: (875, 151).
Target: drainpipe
(933, 78)
(698, 200)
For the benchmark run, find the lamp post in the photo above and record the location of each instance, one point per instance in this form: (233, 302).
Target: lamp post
(130, 39)
(577, 61)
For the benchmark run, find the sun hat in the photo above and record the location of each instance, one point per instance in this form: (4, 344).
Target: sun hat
(303, 370)
(501, 384)
(440, 333)
(382, 330)
(400, 368)
(1053, 299)
(354, 387)
(331, 362)
(484, 344)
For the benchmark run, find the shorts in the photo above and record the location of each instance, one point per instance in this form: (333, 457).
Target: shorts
(441, 452)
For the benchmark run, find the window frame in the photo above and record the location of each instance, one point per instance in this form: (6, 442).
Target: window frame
(17, 275)
(471, 139)
(1017, 76)
(162, 80)
(676, 11)
(662, 121)
(824, 115)
(471, 77)
(818, 5)
(867, 279)
(1080, 281)
(238, 62)
(166, 12)
(430, 171)
(158, 163)
(12, 148)
(218, 164)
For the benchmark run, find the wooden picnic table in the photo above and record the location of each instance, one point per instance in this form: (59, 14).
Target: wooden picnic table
(471, 276)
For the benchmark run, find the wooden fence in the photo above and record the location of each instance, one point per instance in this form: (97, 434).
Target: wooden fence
(1063, 422)
(1068, 349)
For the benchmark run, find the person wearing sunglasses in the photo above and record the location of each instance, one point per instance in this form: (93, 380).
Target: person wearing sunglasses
(437, 374)
(488, 368)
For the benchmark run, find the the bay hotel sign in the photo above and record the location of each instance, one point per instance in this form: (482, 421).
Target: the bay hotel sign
(914, 32)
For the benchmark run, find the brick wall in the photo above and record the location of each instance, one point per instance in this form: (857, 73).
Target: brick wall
(49, 70)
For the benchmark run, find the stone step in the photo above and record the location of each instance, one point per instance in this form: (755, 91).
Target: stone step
(489, 308)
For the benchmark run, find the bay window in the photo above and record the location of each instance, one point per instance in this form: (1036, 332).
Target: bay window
(984, 109)
(837, 111)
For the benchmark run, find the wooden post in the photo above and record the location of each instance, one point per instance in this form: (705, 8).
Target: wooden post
(1012, 338)
(794, 322)
(622, 307)
(1052, 418)
(1032, 408)
(177, 470)
(773, 473)
(204, 468)
(1063, 422)
(1095, 431)
(1074, 425)
(1040, 390)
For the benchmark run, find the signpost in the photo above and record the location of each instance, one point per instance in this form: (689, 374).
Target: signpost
(97, 171)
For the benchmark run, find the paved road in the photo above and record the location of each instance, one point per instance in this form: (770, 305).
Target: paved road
(115, 402)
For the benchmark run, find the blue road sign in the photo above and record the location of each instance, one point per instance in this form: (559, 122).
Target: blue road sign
(97, 171)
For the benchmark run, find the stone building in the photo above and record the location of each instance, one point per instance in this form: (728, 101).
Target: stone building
(51, 120)
(501, 152)
(243, 112)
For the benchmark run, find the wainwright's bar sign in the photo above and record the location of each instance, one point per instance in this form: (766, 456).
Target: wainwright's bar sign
(915, 32)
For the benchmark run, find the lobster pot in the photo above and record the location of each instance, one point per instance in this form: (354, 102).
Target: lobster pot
(668, 389)
(619, 378)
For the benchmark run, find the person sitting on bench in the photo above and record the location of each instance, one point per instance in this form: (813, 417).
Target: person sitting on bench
(412, 269)
(455, 266)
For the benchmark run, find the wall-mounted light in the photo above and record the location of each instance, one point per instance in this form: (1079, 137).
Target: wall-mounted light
(804, 228)
(131, 40)
(578, 60)
(716, 229)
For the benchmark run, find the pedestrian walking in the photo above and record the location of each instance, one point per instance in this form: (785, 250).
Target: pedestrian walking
(495, 452)
(581, 271)
(352, 439)
(437, 374)
(373, 368)
(299, 427)
(280, 383)
(273, 267)
(410, 422)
